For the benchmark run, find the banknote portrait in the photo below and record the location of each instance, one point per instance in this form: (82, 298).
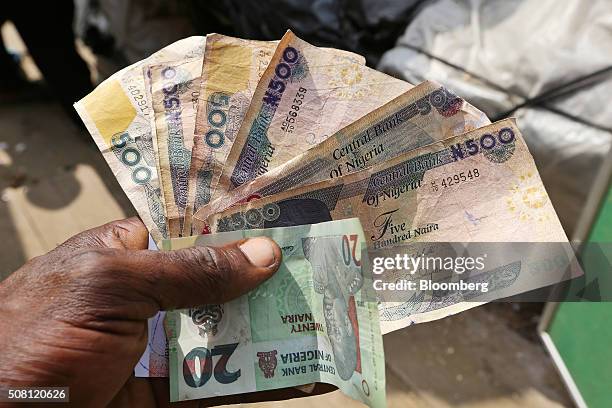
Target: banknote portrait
(337, 282)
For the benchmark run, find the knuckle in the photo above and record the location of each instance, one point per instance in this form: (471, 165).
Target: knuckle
(113, 232)
(119, 231)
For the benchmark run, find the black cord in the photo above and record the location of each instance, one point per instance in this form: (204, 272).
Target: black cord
(540, 100)
(563, 90)
(465, 71)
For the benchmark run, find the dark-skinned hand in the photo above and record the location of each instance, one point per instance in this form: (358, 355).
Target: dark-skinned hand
(77, 316)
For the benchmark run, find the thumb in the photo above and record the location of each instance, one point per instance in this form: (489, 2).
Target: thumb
(199, 275)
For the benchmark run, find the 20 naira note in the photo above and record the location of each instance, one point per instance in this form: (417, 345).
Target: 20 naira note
(315, 320)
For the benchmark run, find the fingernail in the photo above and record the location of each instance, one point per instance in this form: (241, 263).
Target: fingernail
(259, 251)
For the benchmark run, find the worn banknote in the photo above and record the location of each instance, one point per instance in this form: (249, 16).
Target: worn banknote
(230, 72)
(481, 186)
(154, 360)
(315, 320)
(116, 114)
(305, 95)
(422, 115)
(174, 89)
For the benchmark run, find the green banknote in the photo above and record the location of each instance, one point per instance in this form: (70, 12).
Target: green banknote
(315, 320)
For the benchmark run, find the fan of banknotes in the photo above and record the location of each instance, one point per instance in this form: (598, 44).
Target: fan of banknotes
(218, 138)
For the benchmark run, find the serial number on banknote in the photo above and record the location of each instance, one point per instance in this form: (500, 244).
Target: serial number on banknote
(288, 123)
(456, 179)
(195, 96)
(139, 98)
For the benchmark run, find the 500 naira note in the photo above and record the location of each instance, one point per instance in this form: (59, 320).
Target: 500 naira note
(481, 186)
(117, 116)
(175, 88)
(315, 320)
(305, 95)
(424, 114)
(230, 72)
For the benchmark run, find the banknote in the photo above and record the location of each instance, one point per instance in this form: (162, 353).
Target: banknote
(230, 72)
(305, 95)
(422, 115)
(116, 114)
(175, 88)
(315, 320)
(154, 360)
(149, 103)
(481, 186)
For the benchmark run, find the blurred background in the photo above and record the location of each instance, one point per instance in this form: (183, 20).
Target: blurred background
(546, 62)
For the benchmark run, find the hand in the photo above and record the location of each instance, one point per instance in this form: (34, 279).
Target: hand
(77, 316)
